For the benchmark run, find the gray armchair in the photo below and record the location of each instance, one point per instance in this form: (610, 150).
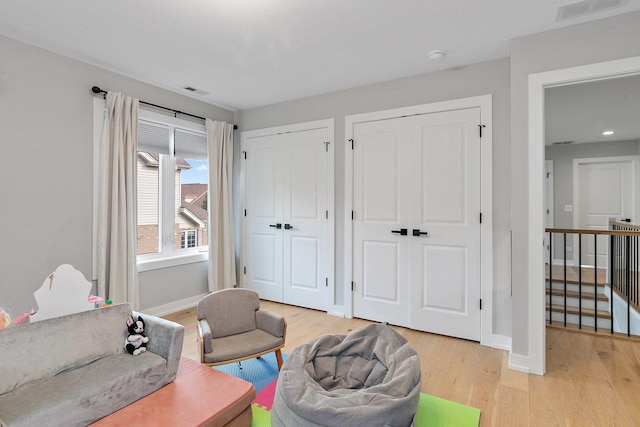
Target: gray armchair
(232, 328)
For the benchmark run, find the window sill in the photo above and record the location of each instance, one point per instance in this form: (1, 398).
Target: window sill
(158, 263)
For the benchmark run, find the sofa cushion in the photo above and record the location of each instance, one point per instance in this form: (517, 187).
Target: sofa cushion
(78, 397)
(62, 343)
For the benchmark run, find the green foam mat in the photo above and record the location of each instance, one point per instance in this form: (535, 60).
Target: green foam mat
(438, 412)
(432, 411)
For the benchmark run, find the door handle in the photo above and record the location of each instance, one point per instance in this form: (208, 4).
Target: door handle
(625, 220)
(402, 231)
(288, 227)
(418, 233)
(278, 225)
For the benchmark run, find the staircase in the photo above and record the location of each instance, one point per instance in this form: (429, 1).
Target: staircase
(580, 297)
(586, 303)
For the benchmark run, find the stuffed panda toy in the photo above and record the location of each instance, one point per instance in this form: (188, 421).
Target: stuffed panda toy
(136, 342)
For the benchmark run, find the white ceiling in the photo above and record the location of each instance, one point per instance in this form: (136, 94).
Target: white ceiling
(581, 112)
(248, 53)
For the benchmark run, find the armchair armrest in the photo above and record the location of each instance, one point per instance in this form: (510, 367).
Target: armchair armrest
(205, 335)
(271, 323)
(165, 339)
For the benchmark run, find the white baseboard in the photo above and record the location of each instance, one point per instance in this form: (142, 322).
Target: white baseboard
(501, 342)
(174, 306)
(518, 362)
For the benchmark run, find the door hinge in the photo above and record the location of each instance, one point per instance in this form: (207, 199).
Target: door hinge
(480, 217)
(326, 214)
(480, 127)
(352, 215)
(326, 282)
(244, 269)
(353, 286)
(244, 153)
(351, 141)
(245, 212)
(480, 303)
(326, 146)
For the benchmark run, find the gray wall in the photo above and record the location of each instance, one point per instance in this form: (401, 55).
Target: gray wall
(490, 77)
(46, 170)
(563, 155)
(597, 41)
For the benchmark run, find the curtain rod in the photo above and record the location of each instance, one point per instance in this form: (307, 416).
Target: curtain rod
(97, 90)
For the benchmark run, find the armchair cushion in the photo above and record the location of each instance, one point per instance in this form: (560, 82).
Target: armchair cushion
(229, 312)
(206, 335)
(240, 345)
(270, 322)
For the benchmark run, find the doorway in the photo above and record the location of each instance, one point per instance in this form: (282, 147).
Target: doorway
(536, 281)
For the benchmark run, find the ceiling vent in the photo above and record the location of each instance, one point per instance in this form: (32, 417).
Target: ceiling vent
(585, 7)
(194, 90)
(562, 142)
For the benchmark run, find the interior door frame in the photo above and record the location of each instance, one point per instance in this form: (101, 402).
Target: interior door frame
(549, 205)
(535, 361)
(328, 124)
(484, 102)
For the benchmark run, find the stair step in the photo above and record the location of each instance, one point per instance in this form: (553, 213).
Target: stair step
(576, 282)
(585, 311)
(574, 294)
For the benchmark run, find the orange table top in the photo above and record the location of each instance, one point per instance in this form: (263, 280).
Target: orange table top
(199, 396)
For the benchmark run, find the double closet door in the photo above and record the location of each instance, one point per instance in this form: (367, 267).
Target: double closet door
(416, 222)
(285, 223)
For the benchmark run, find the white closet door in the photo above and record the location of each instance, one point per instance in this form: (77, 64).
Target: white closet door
(445, 260)
(381, 210)
(305, 218)
(263, 238)
(286, 224)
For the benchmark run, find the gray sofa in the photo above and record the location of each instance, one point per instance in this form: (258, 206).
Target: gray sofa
(73, 370)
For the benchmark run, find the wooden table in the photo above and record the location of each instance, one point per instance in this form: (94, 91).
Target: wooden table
(199, 396)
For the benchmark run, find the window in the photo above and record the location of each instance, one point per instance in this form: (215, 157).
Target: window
(188, 239)
(172, 176)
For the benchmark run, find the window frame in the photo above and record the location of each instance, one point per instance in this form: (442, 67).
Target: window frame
(167, 256)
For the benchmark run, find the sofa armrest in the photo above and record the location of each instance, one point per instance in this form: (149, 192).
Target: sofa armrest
(205, 335)
(270, 322)
(165, 339)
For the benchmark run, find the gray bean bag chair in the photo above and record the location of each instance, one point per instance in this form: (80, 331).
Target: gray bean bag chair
(370, 377)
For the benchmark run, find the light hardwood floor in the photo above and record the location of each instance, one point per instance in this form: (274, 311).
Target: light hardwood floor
(590, 381)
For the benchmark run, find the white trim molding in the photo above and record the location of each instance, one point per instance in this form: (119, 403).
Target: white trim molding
(535, 361)
(172, 307)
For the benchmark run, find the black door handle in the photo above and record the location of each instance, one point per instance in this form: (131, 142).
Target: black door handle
(418, 233)
(402, 231)
(288, 227)
(625, 220)
(278, 225)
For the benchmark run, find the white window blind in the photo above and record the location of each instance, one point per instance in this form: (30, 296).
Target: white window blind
(154, 137)
(190, 144)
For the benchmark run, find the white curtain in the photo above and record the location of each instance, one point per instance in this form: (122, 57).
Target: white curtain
(116, 251)
(222, 259)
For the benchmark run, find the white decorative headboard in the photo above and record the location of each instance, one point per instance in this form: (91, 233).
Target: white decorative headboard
(65, 291)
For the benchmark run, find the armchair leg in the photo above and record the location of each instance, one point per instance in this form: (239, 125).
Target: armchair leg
(279, 358)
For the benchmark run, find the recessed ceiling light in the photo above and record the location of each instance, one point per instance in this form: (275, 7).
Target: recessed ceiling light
(608, 132)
